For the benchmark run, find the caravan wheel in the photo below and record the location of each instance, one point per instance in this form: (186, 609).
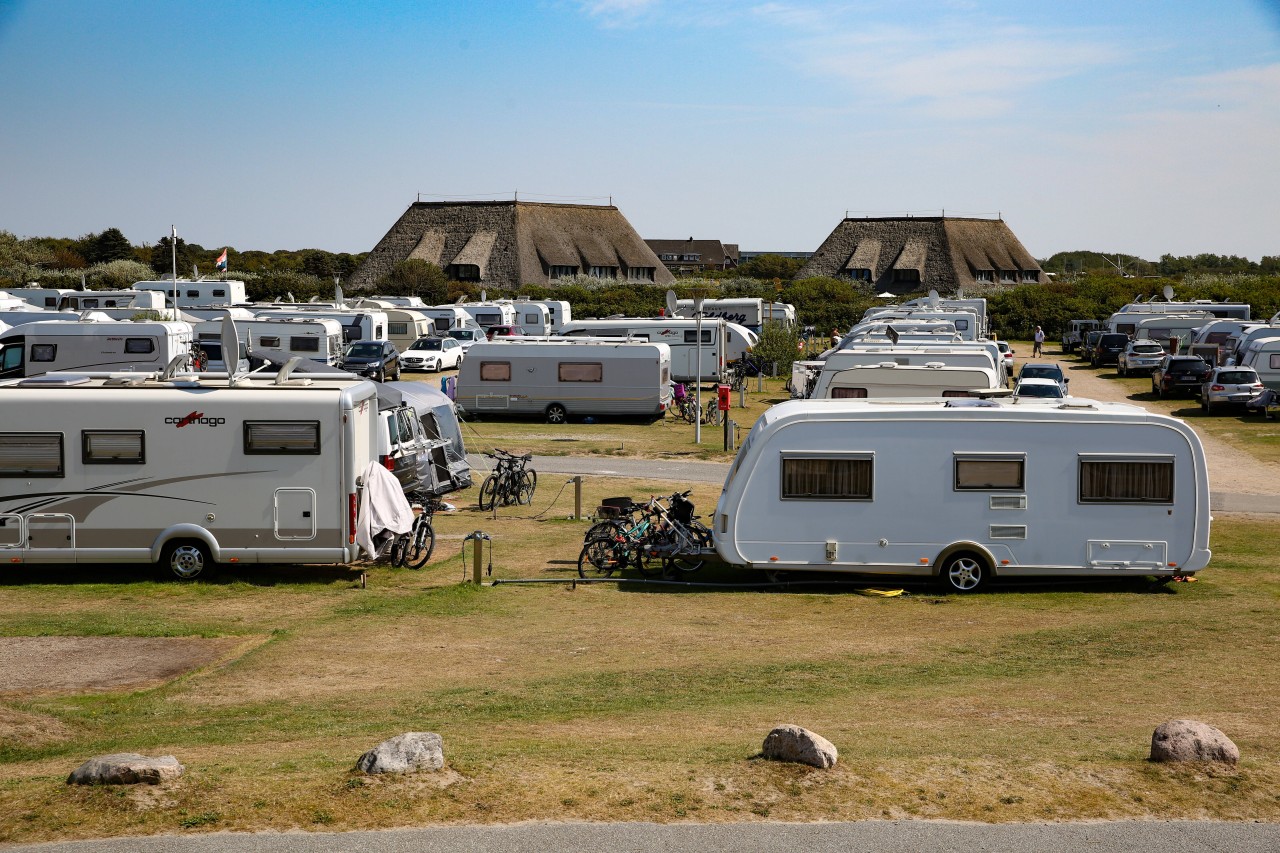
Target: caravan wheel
(186, 559)
(963, 572)
(556, 414)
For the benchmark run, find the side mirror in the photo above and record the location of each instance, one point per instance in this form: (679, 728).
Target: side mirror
(1066, 380)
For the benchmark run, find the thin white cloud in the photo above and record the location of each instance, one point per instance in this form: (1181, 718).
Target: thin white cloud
(616, 13)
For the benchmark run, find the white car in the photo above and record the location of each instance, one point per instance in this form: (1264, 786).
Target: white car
(433, 354)
(1048, 390)
(1139, 355)
(466, 337)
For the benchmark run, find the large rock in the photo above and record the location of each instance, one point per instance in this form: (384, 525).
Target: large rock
(792, 743)
(1189, 740)
(406, 753)
(126, 768)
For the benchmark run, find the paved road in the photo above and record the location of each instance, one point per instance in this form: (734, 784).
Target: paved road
(881, 836)
(714, 472)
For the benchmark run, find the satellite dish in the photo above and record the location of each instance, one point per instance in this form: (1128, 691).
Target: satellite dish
(461, 298)
(1168, 293)
(230, 347)
(484, 295)
(671, 303)
(933, 299)
(337, 294)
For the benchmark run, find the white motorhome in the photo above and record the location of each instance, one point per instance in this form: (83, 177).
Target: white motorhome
(20, 316)
(781, 312)
(749, 313)
(184, 473)
(963, 490)
(1163, 327)
(893, 381)
(358, 324)
(317, 339)
(117, 304)
(38, 297)
(201, 293)
(722, 342)
(448, 317)
(486, 314)
(1221, 310)
(89, 345)
(557, 378)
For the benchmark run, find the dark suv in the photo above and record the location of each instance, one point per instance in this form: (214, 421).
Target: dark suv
(1108, 348)
(1185, 373)
(378, 360)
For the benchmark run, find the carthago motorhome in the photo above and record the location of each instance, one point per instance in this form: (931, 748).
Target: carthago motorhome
(90, 345)
(964, 490)
(184, 473)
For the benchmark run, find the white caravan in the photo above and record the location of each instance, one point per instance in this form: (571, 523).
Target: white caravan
(486, 314)
(20, 316)
(38, 297)
(358, 324)
(448, 317)
(1263, 355)
(1237, 344)
(317, 339)
(722, 342)
(406, 325)
(560, 311)
(184, 473)
(557, 378)
(888, 380)
(91, 345)
(117, 304)
(963, 490)
(1163, 327)
(781, 312)
(1222, 310)
(533, 317)
(967, 324)
(201, 293)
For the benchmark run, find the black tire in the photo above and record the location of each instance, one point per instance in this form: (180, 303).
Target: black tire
(963, 573)
(1120, 370)
(601, 556)
(527, 486)
(396, 378)
(557, 414)
(421, 542)
(488, 493)
(1209, 408)
(382, 375)
(187, 559)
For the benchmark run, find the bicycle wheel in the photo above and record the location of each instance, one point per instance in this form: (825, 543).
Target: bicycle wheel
(647, 556)
(600, 556)
(422, 541)
(683, 563)
(524, 489)
(488, 493)
(397, 549)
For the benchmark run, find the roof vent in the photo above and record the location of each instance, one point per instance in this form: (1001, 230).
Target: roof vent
(888, 364)
(934, 365)
(54, 380)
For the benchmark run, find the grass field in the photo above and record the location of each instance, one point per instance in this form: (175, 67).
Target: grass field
(624, 702)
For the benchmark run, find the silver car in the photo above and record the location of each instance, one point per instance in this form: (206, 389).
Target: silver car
(1139, 355)
(1229, 385)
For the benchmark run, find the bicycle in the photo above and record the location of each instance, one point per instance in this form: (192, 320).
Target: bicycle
(677, 537)
(511, 482)
(685, 405)
(613, 544)
(413, 549)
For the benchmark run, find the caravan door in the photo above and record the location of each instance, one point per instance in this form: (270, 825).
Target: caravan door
(51, 538)
(295, 514)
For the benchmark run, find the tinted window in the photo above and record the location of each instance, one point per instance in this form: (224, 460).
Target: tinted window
(1106, 481)
(827, 479)
(139, 345)
(44, 352)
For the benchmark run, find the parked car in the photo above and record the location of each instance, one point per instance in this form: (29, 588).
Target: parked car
(1040, 388)
(1044, 370)
(1229, 385)
(1139, 355)
(1074, 336)
(1108, 348)
(373, 359)
(466, 337)
(1179, 373)
(503, 331)
(433, 354)
(1090, 340)
(1007, 354)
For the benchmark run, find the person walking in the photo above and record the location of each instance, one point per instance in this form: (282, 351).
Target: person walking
(1039, 342)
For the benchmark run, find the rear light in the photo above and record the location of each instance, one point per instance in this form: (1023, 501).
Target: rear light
(1257, 386)
(1216, 388)
(351, 518)
(389, 463)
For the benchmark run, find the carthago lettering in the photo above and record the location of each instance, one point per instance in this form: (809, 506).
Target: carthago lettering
(195, 418)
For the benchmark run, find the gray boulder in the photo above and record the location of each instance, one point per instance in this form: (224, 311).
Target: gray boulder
(801, 746)
(406, 753)
(126, 768)
(1190, 740)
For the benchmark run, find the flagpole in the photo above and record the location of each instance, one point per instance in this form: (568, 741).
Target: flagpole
(173, 244)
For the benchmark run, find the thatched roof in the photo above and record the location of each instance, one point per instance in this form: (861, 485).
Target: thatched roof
(711, 253)
(948, 253)
(512, 242)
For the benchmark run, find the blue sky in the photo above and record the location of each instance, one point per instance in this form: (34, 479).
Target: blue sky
(1140, 127)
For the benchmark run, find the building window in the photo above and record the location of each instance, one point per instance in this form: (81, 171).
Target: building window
(31, 454)
(639, 273)
(495, 371)
(463, 272)
(1008, 277)
(860, 274)
(561, 271)
(1030, 276)
(139, 346)
(906, 276)
(575, 371)
(44, 352)
(112, 446)
(604, 272)
(989, 473)
(282, 437)
(844, 478)
(304, 344)
(848, 393)
(668, 256)
(692, 256)
(269, 342)
(1126, 480)
(985, 275)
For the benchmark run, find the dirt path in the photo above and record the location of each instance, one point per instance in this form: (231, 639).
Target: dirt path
(1231, 470)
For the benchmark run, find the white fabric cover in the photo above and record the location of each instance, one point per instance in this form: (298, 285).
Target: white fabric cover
(382, 507)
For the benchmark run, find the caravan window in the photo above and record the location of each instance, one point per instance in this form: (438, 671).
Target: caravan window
(269, 341)
(193, 294)
(112, 446)
(31, 454)
(691, 336)
(303, 344)
(576, 371)
(844, 477)
(398, 329)
(990, 472)
(282, 437)
(495, 371)
(848, 393)
(1131, 480)
(44, 352)
(488, 319)
(1274, 362)
(219, 293)
(533, 319)
(139, 345)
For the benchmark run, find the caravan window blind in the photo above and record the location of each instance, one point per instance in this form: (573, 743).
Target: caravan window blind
(112, 446)
(827, 478)
(1104, 480)
(44, 352)
(31, 454)
(581, 371)
(139, 345)
(495, 371)
(989, 473)
(282, 437)
(839, 393)
(300, 344)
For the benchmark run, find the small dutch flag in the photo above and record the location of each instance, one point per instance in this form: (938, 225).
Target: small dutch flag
(221, 263)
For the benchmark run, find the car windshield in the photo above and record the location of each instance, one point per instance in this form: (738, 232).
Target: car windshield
(364, 351)
(428, 343)
(1194, 365)
(462, 334)
(1039, 391)
(1041, 371)
(1239, 377)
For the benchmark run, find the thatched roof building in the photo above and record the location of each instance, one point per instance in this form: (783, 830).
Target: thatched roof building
(510, 243)
(901, 255)
(685, 256)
